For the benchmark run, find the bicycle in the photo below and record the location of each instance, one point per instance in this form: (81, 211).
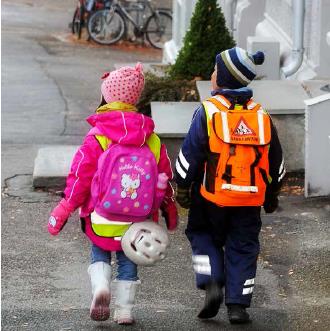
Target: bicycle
(107, 26)
(81, 13)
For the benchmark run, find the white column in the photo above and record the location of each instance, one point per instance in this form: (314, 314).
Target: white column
(317, 154)
(248, 14)
(182, 12)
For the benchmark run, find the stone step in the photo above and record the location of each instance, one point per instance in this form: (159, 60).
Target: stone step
(52, 166)
(172, 122)
(172, 119)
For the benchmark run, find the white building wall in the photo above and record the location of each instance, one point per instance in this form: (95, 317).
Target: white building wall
(247, 15)
(270, 19)
(277, 23)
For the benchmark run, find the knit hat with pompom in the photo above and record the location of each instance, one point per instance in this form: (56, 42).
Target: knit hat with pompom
(236, 68)
(125, 84)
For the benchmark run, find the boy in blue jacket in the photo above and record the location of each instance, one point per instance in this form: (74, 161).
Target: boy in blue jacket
(224, 238)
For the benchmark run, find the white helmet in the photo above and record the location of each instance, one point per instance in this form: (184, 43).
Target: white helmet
(145, 243)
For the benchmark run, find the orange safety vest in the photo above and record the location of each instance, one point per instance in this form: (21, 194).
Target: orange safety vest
(237, 169)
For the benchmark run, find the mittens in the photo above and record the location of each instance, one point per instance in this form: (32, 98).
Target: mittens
(59, 217)
(271, 204)
(183, 197)
(170, 214)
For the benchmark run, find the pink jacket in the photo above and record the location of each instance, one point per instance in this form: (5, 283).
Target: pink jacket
(118, 126)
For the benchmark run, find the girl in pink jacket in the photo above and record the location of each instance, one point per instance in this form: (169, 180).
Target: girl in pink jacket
(116, 121)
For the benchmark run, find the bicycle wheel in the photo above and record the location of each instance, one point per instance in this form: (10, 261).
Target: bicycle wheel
(106, 26)
(159, 29)
(78, 20)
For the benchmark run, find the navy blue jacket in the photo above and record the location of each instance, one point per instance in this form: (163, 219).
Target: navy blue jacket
(195, 148)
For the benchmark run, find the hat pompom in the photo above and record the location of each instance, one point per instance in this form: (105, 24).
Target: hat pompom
(258, 58)
(139, 67)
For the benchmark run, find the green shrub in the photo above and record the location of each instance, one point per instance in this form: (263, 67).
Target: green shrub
(207, 36)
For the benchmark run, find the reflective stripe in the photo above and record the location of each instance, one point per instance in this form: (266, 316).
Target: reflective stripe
(201, 264)
(281, 167)
(106, 228)
(225, 127)
(204, 178)
(179, 169)
(249, 282)
(261, 127)
(210, 108)
(183, 160)
(248, 290)
(251, 105)
(239, 188)
(282, 171)
(222, 101)
(281, 177)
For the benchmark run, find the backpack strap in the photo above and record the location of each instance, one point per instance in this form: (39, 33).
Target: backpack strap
(103, 141)
(214, 105)
(153, 143)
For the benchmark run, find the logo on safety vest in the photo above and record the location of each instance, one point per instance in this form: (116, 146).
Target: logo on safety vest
(242, 128)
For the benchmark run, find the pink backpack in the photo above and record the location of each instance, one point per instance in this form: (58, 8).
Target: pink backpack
(124, 186)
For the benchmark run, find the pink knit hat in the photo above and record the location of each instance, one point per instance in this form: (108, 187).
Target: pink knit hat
(125, 84)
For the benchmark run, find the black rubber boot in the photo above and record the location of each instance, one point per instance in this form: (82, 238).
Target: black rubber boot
(237, 314)
(213, 300)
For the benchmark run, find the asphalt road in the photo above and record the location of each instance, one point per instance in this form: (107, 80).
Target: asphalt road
(50, 83)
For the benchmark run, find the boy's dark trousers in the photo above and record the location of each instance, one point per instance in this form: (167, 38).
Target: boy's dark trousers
(225, 246)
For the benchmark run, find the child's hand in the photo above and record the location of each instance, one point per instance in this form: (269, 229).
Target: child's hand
(271, 204)
(170, 214)
(183, 197)
(59, 217)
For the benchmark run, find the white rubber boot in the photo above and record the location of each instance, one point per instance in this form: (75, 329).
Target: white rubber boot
(125, 299)
(100, 274)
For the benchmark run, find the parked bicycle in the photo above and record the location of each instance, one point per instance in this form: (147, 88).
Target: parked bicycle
(107, 26)
(83, 9)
